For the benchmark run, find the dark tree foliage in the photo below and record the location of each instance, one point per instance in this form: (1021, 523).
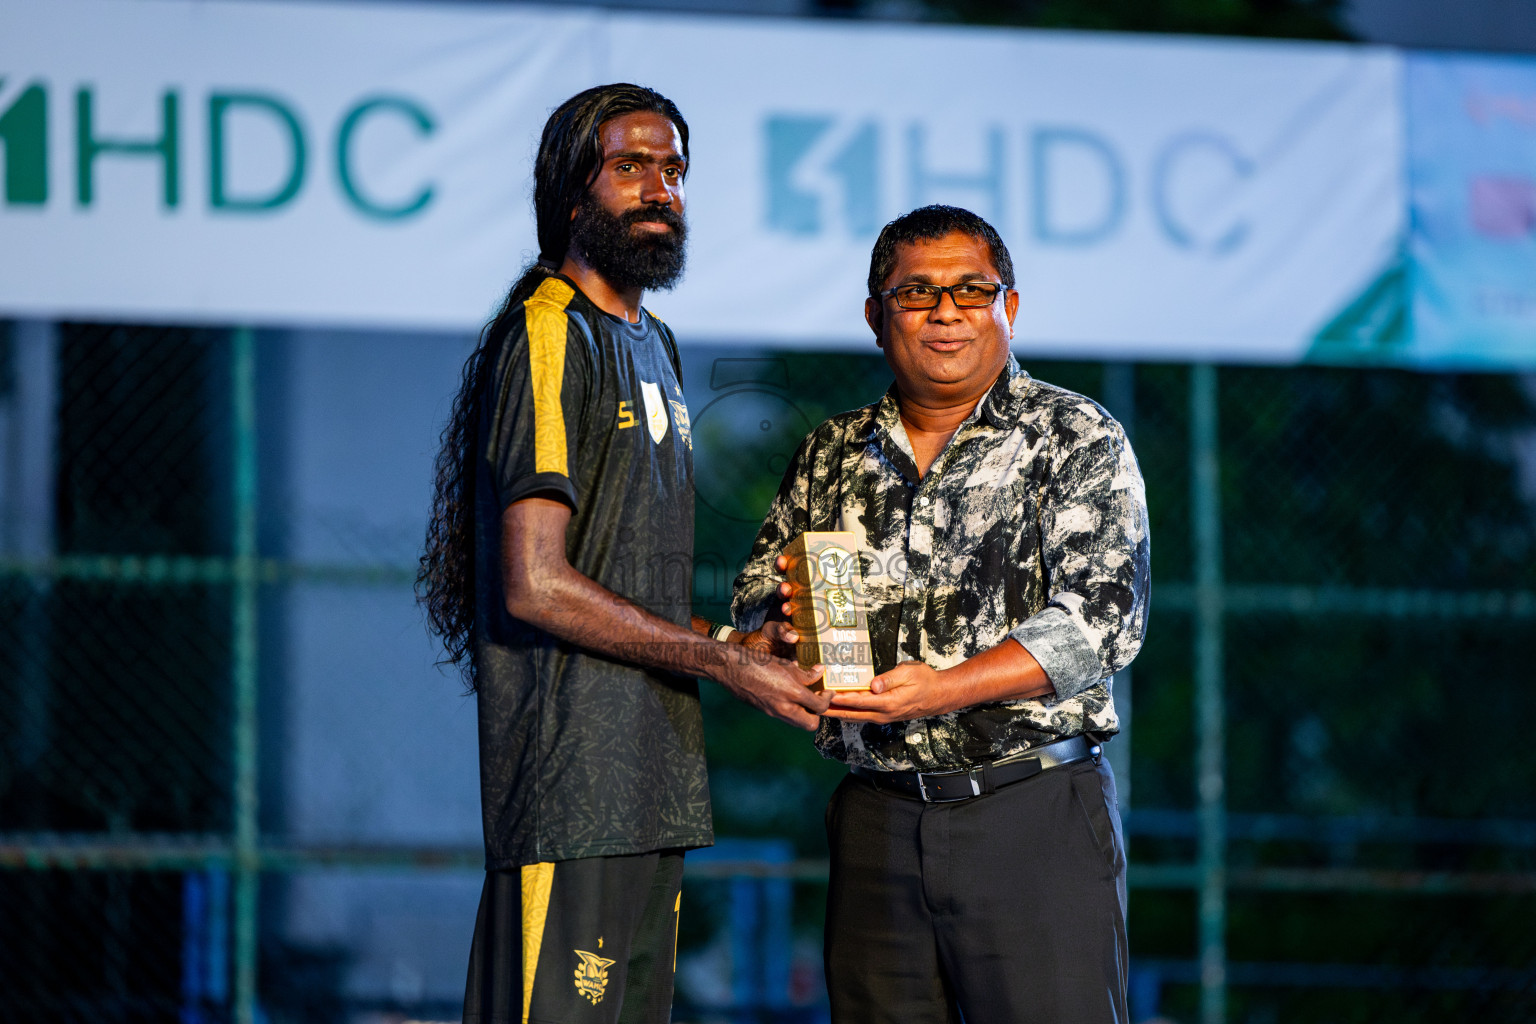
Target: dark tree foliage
(1287, 19)
(1376, 478)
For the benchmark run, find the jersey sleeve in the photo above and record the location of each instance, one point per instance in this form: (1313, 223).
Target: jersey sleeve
(535, 400)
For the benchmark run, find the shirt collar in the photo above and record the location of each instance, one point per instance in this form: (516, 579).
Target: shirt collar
(898, 448)
(999, 407)
(1002, 404)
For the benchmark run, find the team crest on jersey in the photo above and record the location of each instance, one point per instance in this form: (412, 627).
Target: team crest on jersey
(592, 976)
(655, 410)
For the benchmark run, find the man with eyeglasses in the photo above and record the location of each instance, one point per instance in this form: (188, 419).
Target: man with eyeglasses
(978, 867)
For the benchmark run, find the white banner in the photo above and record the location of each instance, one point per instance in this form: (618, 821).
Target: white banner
(282, 163)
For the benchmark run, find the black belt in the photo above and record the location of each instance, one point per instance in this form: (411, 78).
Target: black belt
(943, 787)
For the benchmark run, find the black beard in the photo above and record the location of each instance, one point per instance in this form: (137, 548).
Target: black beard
(625, 258)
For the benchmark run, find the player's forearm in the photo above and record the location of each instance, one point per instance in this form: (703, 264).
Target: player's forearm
(566, 604)
(542, 589)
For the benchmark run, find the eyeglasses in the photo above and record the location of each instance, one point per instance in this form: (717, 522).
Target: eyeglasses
(966, 295)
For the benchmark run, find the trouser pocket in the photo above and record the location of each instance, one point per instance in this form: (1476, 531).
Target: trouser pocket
(1103, 822)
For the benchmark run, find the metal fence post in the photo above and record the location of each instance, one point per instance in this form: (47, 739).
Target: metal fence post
(1205, 506)
(243, 402)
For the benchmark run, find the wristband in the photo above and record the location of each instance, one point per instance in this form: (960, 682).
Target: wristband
(721, 631)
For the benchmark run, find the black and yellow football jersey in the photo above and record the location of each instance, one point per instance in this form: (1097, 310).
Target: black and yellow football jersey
(583, 755)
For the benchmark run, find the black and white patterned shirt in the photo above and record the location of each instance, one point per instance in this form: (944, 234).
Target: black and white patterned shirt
(1031, 523)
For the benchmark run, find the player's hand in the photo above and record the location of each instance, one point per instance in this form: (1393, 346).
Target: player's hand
(775, 638)
(910, 690)
(777, 687)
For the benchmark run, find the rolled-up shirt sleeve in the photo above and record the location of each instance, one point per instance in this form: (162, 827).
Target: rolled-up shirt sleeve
(1096, 551)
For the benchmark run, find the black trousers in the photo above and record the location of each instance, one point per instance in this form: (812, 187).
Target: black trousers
(1007, 908)
(591, 941)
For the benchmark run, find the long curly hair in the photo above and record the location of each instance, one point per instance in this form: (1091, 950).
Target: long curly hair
(570, 156)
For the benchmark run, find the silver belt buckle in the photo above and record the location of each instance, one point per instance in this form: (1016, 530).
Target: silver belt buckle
(970, 776)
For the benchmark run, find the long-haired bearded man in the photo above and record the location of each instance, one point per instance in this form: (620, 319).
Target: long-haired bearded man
(558, 573)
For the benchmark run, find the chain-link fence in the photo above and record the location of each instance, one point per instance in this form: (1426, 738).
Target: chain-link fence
(115, 653)
(1329, 802)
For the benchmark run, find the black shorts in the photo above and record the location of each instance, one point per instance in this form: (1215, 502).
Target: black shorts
(590, 940)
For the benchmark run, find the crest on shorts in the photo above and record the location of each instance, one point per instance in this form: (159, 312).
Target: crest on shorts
(592, 976)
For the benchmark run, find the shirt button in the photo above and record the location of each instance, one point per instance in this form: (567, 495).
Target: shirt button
(923, 501)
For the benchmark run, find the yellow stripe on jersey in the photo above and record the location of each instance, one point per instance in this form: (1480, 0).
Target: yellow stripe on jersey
(545, 313)
(538, 879)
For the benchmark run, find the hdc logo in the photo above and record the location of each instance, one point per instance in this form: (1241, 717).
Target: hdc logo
(828, 174)
(25, 127)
